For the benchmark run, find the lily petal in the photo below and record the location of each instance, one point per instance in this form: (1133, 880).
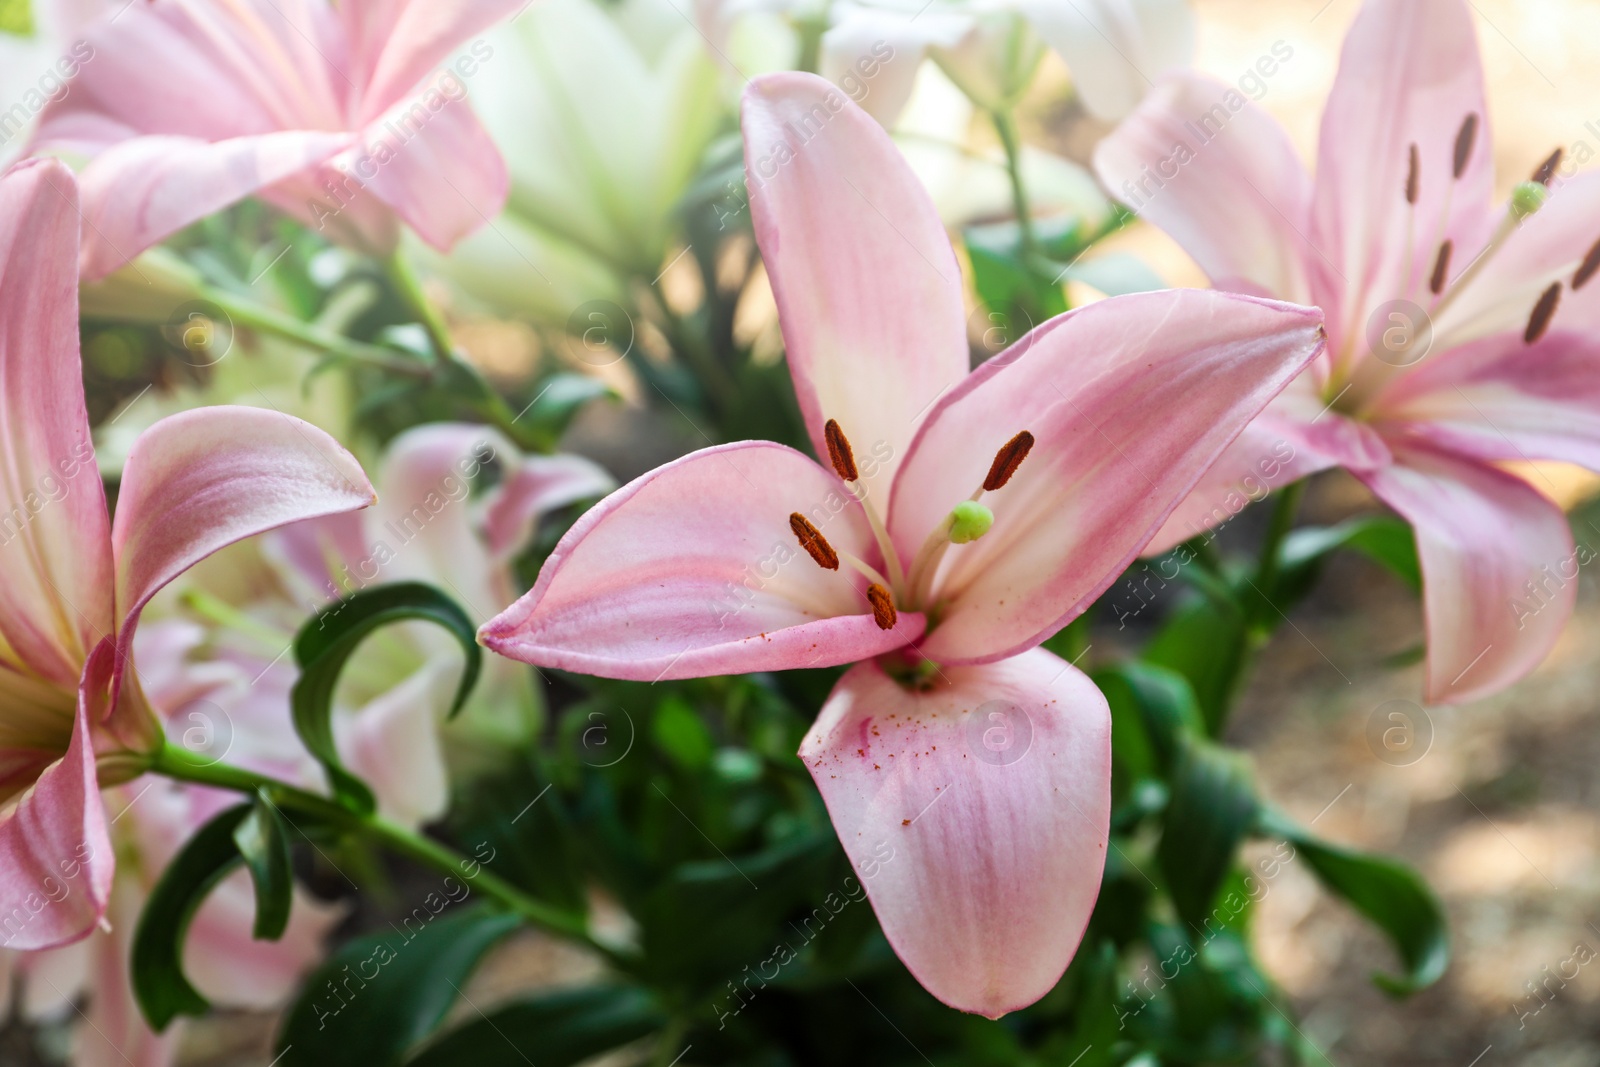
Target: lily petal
(868, 291)
(1298, 435)
(693, 570)
(1226, 185)
(56, 862)
(1409, 75)
(392, 743)
(1115, 49)
(398, 43)
(539, 485)
(441, 173)
(140, 192)
(977, 815)
(1493, 552)
(1501, 399)
(55, 557)
(1103, 475)
(879, 50)
(200, 480)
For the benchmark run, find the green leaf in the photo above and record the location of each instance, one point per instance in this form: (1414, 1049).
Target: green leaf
(1389, 894)
(1203, 641)
(1213, 806)
(379, 995)
(679, 733)
(554, 1030)
(559, 399)
(263, 842)
(1381, 538)
(326, 642)
(1163, 701)
(159, 984)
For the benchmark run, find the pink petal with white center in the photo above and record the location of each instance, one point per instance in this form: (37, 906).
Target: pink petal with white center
(1130, 401)
(200, 480)
(693, 570)
(868, 291)
(142, 191)
(1501, 399)
(1409, 75)
(443, 175)
(55, 559)
(1499, 570)
(1226, 185)
(976, 815)
(56, 862)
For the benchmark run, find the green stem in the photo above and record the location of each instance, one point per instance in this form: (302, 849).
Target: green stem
(1005, 124)
(179, 764)
(409, 288)
(269, 321)
(1284, 511)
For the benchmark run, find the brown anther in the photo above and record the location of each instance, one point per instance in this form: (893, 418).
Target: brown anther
(1464, 139)
(1413, 177)
(839, 453)
(1441, 269)
(1587, 269)
(1543, 312)
(882, 606)
(1547, 169)
(1007, 460)
(813, 542)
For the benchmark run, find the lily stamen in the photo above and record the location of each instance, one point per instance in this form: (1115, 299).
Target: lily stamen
(1547, 170)
(1007, 460)
(1587, 269)
(825, 555)
(968, 520)
(843, 459)
(1543, 312)
(883, 611)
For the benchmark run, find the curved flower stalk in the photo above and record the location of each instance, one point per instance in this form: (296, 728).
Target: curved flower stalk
(1460, 334)
(154, 817)
(960, 520)
(1115, 49)
(339, 115)
(434, 523)
(603, 112)
(73, 713)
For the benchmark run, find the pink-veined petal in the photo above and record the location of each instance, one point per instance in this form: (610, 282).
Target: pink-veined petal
(142, 191)
(56, 862)
(432, 161)
(1499, 569)
(868, 291)
(1409, 75)
(976, 815)
(398, 43)
(55, 557)
(1225, 183)
(1501, 399)
(693, 570)
(200, 480)
(1130, 401)
(539, 485)
(112, 1031)
(1298, 435)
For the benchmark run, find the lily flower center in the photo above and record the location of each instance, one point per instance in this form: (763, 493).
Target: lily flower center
(903, 589)
(1356, 382)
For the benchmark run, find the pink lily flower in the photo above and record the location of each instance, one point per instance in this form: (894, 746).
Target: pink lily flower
(154, 817)
(1458, 333)
(332, 113)
(74, 716)
(966, 772)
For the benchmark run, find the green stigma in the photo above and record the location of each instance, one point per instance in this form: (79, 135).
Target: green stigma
(969, 521)
(1527, 198)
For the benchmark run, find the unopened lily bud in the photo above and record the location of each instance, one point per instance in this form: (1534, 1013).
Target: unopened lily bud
(1527, 198)
(969, 521)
